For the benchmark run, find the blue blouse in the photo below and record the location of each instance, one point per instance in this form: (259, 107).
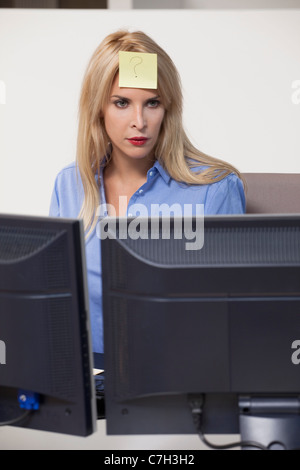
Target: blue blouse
(223, 197)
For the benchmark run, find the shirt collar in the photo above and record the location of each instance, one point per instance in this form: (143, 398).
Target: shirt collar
(163, 173)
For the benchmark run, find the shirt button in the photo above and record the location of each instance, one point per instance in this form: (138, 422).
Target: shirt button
(140, 191)
(151, 173)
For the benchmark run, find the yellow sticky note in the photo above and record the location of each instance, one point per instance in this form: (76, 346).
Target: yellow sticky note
(137, 70)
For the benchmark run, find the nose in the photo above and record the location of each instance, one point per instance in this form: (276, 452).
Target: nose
(138, 118)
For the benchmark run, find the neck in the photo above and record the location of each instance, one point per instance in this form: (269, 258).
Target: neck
(128, 169)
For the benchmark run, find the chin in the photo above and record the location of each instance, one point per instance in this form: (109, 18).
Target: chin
(138, 155)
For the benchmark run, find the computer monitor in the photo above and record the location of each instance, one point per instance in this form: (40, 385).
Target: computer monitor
(204, 340)
(46, 379)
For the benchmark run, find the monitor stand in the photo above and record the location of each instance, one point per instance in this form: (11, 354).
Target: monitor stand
(271, 421)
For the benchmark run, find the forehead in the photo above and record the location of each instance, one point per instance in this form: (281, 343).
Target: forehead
(131, 93)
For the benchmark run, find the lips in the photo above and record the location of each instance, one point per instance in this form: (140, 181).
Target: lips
(138, 140)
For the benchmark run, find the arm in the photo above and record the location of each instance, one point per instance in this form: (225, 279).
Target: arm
(54, 203)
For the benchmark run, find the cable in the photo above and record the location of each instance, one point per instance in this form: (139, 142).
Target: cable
(28, 401)
(196, 403)
(16, 420)
(230, 445)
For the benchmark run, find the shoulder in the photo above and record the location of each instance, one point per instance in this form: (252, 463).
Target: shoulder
(226, 196)
(229, 182)
(68, 179)
(70, 171)
(67, 193)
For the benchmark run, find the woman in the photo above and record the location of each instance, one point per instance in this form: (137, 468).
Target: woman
(132, 149)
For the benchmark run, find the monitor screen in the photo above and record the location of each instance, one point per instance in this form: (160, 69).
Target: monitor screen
(46, 379)
(214, 327)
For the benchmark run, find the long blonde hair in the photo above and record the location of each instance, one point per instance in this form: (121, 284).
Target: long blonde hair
(173, 149)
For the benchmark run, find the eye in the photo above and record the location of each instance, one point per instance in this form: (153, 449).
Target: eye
(121, 103)
(153, 103)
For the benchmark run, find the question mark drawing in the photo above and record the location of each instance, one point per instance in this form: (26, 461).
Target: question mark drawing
(140, 61)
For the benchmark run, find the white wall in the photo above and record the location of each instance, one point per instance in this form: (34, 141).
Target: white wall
(237, 68)
(237, 4)
(203, 4)
(240, 4)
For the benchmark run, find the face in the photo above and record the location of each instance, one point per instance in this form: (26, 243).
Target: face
(133, 118)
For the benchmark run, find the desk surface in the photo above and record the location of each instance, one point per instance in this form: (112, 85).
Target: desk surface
(13, 438)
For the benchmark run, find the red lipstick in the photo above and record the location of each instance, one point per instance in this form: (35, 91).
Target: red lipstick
(138, 140)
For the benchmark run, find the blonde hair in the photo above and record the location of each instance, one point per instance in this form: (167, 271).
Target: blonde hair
(173, 149)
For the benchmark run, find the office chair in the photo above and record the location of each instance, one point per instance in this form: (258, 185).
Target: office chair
(272, 193)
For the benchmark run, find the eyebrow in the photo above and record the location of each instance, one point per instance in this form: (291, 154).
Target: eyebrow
(128, 99)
